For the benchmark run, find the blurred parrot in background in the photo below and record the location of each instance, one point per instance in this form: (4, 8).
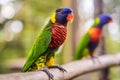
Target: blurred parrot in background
(90, 40)
(50, 38)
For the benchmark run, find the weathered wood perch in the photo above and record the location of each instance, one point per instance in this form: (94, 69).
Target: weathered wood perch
(74, 69)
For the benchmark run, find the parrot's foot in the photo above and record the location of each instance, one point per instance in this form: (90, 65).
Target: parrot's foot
(51, 77)
(58, 67)
(95, 59)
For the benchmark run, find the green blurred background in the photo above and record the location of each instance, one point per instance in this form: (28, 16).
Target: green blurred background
(21, 20)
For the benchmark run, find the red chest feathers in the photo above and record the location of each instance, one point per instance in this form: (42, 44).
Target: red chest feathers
(95, 34)
(59, 33)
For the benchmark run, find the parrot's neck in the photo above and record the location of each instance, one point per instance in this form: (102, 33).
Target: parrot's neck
(59, 33)
(64, 22)
(100, 26)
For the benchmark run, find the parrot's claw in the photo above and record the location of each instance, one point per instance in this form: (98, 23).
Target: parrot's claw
(58, 67)
(51, 77)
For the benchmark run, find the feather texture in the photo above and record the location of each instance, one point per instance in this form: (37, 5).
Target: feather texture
(59, 33)
(40, 45)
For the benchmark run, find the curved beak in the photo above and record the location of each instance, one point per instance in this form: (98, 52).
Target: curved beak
(70, 17)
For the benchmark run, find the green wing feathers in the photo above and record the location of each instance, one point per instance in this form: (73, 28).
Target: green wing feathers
(81, 48)
(40, 45)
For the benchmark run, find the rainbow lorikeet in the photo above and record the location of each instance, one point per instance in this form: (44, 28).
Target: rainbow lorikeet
(50, 38)
(90, 40)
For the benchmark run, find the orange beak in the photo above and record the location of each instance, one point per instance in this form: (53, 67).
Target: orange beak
(70, 17)
(111, 21)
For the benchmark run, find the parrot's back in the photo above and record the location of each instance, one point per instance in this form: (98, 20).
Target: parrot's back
(82, 46)
(40, 45)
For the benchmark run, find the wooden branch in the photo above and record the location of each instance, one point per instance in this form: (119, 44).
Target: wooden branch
(74, 69)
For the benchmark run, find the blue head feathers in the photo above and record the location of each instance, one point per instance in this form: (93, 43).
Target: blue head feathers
(63, 15)
(104, 19)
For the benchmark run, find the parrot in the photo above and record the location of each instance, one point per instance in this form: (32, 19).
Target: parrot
(90, 40)
(49, 39)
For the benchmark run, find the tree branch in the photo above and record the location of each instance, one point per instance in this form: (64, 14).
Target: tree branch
(74, 69)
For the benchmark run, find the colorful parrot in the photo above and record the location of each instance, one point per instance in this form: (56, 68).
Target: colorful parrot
(50, 38)
(90, 40)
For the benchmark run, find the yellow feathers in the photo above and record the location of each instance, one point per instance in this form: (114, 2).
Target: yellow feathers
(97, 20)
(50, 62)
(91, 30)
(53, 17)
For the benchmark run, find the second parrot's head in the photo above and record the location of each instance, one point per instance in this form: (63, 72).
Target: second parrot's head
(103, 19)
(62, 16)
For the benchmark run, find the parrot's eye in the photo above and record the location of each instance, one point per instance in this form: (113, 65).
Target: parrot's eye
(58, 10)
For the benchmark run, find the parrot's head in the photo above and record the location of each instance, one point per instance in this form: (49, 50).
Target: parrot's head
(62, 16)
(104, 19)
